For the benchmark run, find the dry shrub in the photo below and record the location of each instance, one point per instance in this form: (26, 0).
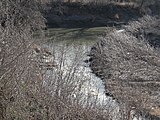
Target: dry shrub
(28, 92)
(18, 20)
(130, 66)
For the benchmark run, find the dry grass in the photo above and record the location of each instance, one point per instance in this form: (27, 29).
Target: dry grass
(130, 66)
(27, 92)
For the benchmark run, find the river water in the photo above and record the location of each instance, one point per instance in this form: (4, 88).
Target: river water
(70, 49)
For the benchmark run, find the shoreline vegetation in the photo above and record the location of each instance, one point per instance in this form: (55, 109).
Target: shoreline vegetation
(85, 14)
(128, 65)
(75, 15)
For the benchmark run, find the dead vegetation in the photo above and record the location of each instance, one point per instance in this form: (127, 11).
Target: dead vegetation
(28, 92)
(130, 66)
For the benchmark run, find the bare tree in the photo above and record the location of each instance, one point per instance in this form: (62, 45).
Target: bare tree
(27, 90)
(18, 20)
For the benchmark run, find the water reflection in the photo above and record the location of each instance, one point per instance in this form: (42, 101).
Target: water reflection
(70, 60)
(73, 79)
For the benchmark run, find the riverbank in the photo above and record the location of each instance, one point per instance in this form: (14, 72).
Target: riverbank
(75, 15)
(129, 67)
